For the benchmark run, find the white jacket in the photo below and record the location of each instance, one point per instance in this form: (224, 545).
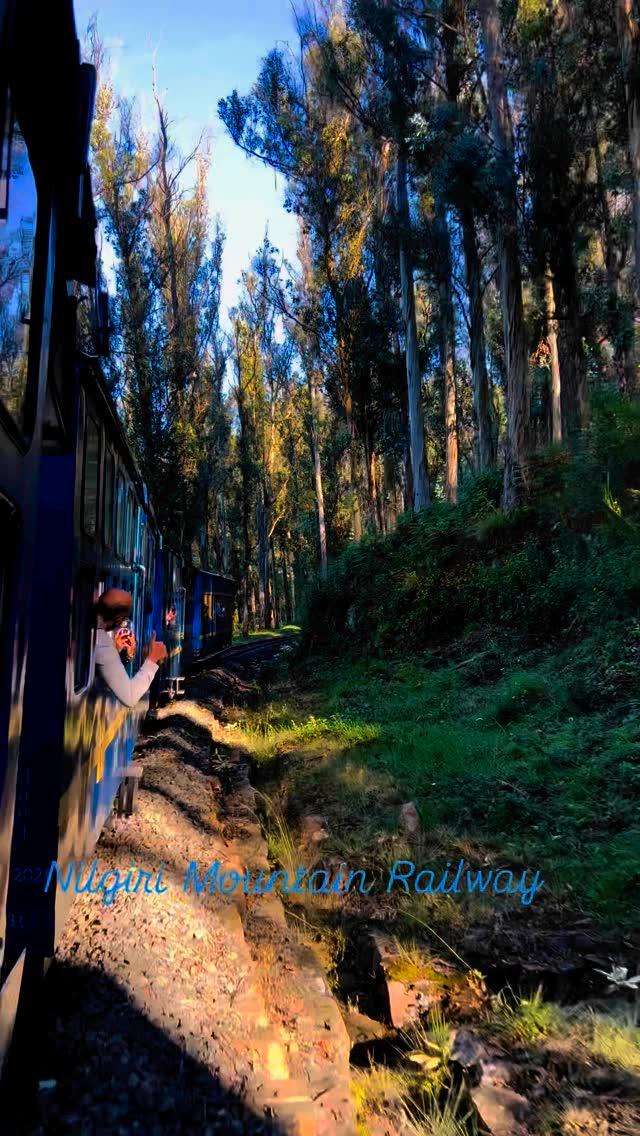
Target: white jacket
(110, 669)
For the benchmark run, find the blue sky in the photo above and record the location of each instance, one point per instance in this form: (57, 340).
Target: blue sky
(203, 49)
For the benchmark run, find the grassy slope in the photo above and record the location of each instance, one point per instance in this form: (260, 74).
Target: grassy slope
(511, 763)
(496, 659)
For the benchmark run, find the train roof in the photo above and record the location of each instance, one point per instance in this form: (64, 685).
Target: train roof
(216, 575)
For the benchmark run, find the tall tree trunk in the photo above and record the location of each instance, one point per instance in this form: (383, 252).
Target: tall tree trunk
(352, 472)
(379, 493)
(286, 587)
(390, 491)
(485, 448)
(317, 466)
(245, 490)
(450, 426)
(225, 561)
(245, 607)
(447, 358)
(515, 343)
(573, 367)
(551, 331)
(629, 40)
(375, 517)
(273, 598)
(291, 562)
(421, 489)
(166, 213)
(263, 557)
(254, 600)
(619, 327)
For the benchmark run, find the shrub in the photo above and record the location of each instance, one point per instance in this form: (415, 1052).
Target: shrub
(518, 693)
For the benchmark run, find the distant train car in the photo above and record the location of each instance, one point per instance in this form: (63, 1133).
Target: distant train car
(209, 618)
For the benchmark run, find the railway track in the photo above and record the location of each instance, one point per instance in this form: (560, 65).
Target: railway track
(244, 653)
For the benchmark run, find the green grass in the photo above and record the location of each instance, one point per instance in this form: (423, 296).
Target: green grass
(523, 1020)
(614, 1042)
(517, 764)
(281, 844)
(275, 732)
(275, 633)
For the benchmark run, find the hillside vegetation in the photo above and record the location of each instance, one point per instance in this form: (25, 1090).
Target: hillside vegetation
(565, 564)
(485, 667)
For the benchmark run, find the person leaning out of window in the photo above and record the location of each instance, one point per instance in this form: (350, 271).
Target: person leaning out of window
(113, 607)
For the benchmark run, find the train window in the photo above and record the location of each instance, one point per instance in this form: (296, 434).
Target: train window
(90, 477)
(133, 527)
(207, 613)
(150, 561)
(120, 516)
(107, 497)
(18, 208)
(82, 628)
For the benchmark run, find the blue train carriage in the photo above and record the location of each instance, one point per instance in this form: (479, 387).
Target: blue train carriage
(209, 614)
(46, 240)
(96, 531)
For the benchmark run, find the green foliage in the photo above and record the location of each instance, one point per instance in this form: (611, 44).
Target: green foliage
(615, 1042)
(524, 1020)
(518, 693)
(561, 563)
(275, 733)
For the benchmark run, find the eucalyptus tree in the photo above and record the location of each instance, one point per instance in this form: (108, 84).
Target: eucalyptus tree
(169, 356)
(289, 123)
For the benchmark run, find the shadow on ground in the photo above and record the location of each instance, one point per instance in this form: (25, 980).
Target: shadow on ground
(104, 1069)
